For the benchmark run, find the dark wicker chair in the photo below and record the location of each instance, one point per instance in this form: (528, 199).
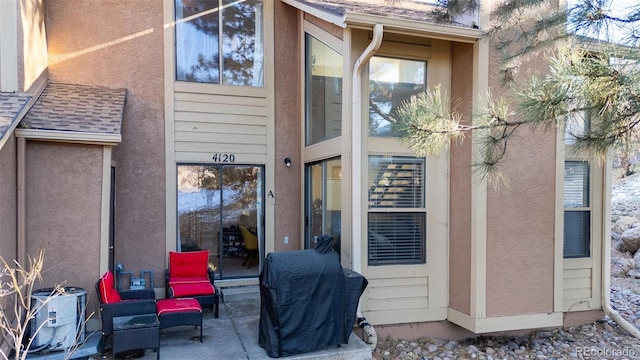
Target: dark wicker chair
(132, 302)
(189, 276)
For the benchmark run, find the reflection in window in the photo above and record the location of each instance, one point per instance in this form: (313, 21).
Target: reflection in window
(391, 82)
(212, 201)
(323, 92)
(200, 39)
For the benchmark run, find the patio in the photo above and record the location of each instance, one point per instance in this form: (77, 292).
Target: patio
(234, 335)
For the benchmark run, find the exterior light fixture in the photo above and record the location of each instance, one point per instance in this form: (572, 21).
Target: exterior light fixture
(287, 162)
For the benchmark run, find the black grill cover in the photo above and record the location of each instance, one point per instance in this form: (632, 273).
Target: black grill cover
(308, 302)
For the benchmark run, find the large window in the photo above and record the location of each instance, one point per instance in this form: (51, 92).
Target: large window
(396, 210)
(220, 42)
(577, 210)
(323, 77)
(392, 82)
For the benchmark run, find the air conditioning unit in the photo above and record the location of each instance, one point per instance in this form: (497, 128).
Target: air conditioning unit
(59, 323)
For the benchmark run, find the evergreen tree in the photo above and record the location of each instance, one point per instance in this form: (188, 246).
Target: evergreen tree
(591, 89)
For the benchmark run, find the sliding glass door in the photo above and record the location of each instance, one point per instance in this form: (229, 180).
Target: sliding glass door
(220, 209)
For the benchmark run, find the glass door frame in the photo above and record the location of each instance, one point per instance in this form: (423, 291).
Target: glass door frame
(259, 208)
(327, 222)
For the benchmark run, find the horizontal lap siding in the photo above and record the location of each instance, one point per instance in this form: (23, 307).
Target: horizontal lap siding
(403, 299)
(208, 124)
(577, 287)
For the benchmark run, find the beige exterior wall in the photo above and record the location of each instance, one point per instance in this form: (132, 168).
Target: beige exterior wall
(64, 200)
(8, 200)
(520, 245)
(288, 129)
(460, 185)
(417, 292)
(119, 44)
(520, 253)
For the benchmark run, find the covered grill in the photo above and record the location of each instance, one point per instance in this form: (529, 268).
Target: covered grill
(308, 301)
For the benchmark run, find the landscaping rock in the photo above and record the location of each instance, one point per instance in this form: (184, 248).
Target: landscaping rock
(623, 224)
(631, 239)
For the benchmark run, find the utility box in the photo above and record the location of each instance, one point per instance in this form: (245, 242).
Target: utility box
(59, 323)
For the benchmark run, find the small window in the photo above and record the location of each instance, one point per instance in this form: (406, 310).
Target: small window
(397, 216)
(220, 42)
(392, 82)
(577, 125)
(577, 210)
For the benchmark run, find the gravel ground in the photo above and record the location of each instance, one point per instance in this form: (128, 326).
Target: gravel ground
(603, 339)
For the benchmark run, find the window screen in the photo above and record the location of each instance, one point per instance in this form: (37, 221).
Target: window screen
(577, 213)
(397, 215)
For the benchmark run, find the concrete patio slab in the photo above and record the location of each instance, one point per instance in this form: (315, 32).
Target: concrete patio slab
(234, 336)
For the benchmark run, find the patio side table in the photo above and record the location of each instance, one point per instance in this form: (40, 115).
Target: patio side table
(136, 332)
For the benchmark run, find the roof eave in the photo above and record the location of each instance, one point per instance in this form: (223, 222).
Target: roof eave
(75, 137)
(335, 19)
(412, 27)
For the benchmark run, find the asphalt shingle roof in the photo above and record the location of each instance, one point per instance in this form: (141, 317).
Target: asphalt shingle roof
(11, 105)
(69, 107)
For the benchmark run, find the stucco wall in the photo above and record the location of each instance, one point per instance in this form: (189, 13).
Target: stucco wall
(460, 185)
(521, 218)
(288, 122)
(8, 200)
(7, 211)
(119, 44)
(63, 199)
(520, 229)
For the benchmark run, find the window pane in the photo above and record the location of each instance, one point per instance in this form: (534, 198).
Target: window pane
(242, 42)
(324, 202)
(576, 184)
(197, 50)
(396, 238)
(323, 92)
(577, 125)
(391, 82)
(396, 182)
(577, 234)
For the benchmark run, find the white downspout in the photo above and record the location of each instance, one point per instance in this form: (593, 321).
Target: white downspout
(356, 172)
(606, 260)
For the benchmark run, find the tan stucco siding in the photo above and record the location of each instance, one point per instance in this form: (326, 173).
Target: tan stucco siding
(520, 229)
(64, 199)
(209, 124)
(288, 123)
(460, 186)
(8, 200)
(119, 44)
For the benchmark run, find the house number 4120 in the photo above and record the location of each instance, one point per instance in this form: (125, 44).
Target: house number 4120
(225, 158)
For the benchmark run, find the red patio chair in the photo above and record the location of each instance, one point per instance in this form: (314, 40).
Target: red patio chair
(189, 276)
(115, 303)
